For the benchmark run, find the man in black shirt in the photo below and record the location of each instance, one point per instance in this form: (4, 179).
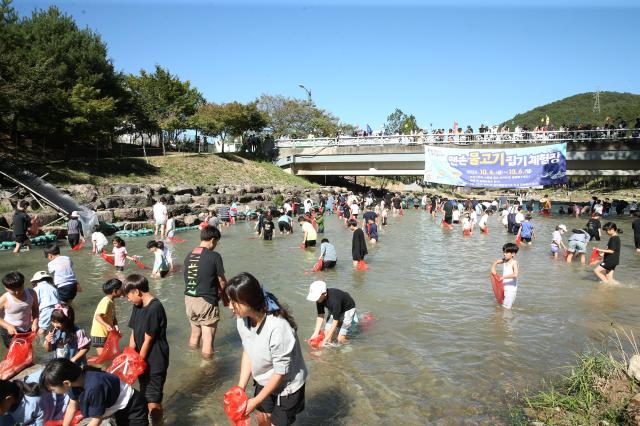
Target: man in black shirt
(341, 307)
(149, 338)
(204, 284)
(593, 227)
(21, 223)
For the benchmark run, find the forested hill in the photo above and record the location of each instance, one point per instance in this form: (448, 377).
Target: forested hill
(578, 109)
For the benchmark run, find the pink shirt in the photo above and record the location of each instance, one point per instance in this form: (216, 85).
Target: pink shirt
(119, 256)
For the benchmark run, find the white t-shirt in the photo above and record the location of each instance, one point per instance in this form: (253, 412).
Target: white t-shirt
(455, 215)
(598, 208)
(159, 212)
(355, 209)
(556, 237)
(519, 217)
(287, 207)
(99, 239)
(483, 220)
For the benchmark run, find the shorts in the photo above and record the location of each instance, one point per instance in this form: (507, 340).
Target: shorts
(283, 409)
(98, 342)
(347, 319)
(554, 248)
(607, 266)
(67, 292)
(328, 264)
(310, 243)
(20, 239)
(284, 226)
(200, 312)
(44, 317)
(577, 246)
(152, 385)
(268, 236)
(509, 296)
(526, 239)
(164, 273)
(136, 413)
(225, 219)
(161, 222)
(120, 268)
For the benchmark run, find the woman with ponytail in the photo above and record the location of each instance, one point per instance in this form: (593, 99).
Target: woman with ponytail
(271, 352)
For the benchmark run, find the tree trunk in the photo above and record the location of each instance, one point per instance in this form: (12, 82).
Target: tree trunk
(164, 152)
(198, 141)
(144, 150)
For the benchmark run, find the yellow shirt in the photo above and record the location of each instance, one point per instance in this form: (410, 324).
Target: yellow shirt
(310, 230)
(107, 308)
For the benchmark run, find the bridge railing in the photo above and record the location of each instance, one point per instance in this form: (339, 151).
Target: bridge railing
(528, 137)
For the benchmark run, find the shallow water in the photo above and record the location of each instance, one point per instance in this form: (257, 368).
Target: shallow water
(439, 352)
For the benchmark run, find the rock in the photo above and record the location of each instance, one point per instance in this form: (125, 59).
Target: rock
(250, 197)
(182, 199)
(158, 189)
(184, 189)
(177, 209)
(252, 188)
(204, 200)
(8, 218)
(130, 215)
(137, 200)
(105, 216)
(124, 189)
(191, 219)
(5, 205)
(83, 193)
(210, 189)
(45, 217)
(4, 223)
(97, 205)
(633, 408)
(634, 368)
(113, 202)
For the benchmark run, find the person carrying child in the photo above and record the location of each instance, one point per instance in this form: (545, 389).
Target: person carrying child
(47, 293)
(98, 241)
(509, 273)
(149, 338)
(61, 267)
(95, 393)
(358, 243)
(160, 266)
(104, 318)
(341, 307)
(525, 231)
(611, 258)
(556, 240)
(328, 255)
(65, 339)
(18, 307)
(578, 244)
(271, 355)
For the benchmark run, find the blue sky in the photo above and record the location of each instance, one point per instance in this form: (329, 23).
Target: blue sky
(474, 62)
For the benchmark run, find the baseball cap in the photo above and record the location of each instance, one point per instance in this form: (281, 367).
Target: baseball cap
(564, 228)
(315, 290)
(39, 276)
(74, 214)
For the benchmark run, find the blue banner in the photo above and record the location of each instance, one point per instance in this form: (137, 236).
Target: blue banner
(526, 167)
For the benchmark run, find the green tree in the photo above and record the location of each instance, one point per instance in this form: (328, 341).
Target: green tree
(394, 122)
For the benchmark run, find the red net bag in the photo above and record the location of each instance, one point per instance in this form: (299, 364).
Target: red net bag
(202, 225)
(76, 419)
(107, 258)
(401, 211)
(19, 356)
(128, 365)
(498, 288)
(365, 322)
(176, 240)
(317, 267)
(110, 350)
(316, 342)
(235, 404)
(466, 232)
(302, 246)
(78, 246)
(139, 264)
(362, 266)
(595, 257)
(485, 230)
(518, 240)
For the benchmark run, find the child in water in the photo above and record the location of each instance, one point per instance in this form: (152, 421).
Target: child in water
(22, 403)
(611, 259)
(267, 228)
(341, 307)
(556, 240)
(47, 298)
(19, 307)
(104, 318)
(160, 265)
(271, 352)
(526, 230)
(509, 273)
(66, 340)
(372, 230)
(119, 254)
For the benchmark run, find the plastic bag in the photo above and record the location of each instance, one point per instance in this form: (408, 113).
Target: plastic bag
(362, 266)
(316, 342)
(176, 240)
(595, 257)
(76, 419)
(110, 350)
(128, 365)
(107, 258)
(485, 230)
(317, 267)
(498, 288)
(303, 246)
(518, 240)
(78, 246)
(235, 404)
(34, 229)
(466, 232)
(445, 224)
(19, 356)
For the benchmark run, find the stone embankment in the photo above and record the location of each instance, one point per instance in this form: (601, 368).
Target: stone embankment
(132, 203)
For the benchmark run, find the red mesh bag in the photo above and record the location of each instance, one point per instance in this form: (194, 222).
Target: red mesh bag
(316, 342)
(232, 220)
(128, 365)
(445, 224)
(317, 267)
(566, 253)
(466, 232)
(235, 404)
(34, 229)
(19, 356)
(362, 266)
(139, 264)
(110, 350)
(595, 257)
(176, 240)
(302, 246)
(485, 230)
(106, 258)
(401, 211)
(365, 322)
(76, 419)
(498, 288)
(518, 240)
(78, 246)
(202, 225)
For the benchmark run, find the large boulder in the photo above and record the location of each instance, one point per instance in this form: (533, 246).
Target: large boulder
(252, 188)
(158, 189)
(124, 189)
(250, 197)
(112, 202)
(177, 209)
(191, 219)
(105, 216)
(4, 223)
(184, 189)
(45, 217)
(83, 194)
(129, 215)
(6, 205)
(182, 199)
(137, 200)
(204, 200)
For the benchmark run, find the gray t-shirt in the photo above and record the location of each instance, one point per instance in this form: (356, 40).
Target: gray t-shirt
(328, 252)
(273, 348)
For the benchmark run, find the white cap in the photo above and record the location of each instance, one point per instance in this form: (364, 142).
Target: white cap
(315, 290)
(74, 214)
(39, 276)
(564, 228)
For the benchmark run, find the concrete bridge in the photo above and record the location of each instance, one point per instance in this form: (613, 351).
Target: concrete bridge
(589, 153)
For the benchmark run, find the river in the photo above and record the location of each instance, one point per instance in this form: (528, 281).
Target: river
(440, 350)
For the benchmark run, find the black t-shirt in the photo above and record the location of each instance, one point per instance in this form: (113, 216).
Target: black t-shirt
(21, 223)
(396, 202)
(370, 215)
(448, 209)
(613, 258)
(151, 320)
(202, 267)
(636, 227)
(593, 225)
(268, 227)
(337, 303)
(100, 391)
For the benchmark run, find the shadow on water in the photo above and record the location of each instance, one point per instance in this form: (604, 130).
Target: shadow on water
(328, 406)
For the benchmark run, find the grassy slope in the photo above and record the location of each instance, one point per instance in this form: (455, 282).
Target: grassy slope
(191, 169)
(612, 104)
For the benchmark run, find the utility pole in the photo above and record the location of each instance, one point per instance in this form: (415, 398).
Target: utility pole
(596, 103)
